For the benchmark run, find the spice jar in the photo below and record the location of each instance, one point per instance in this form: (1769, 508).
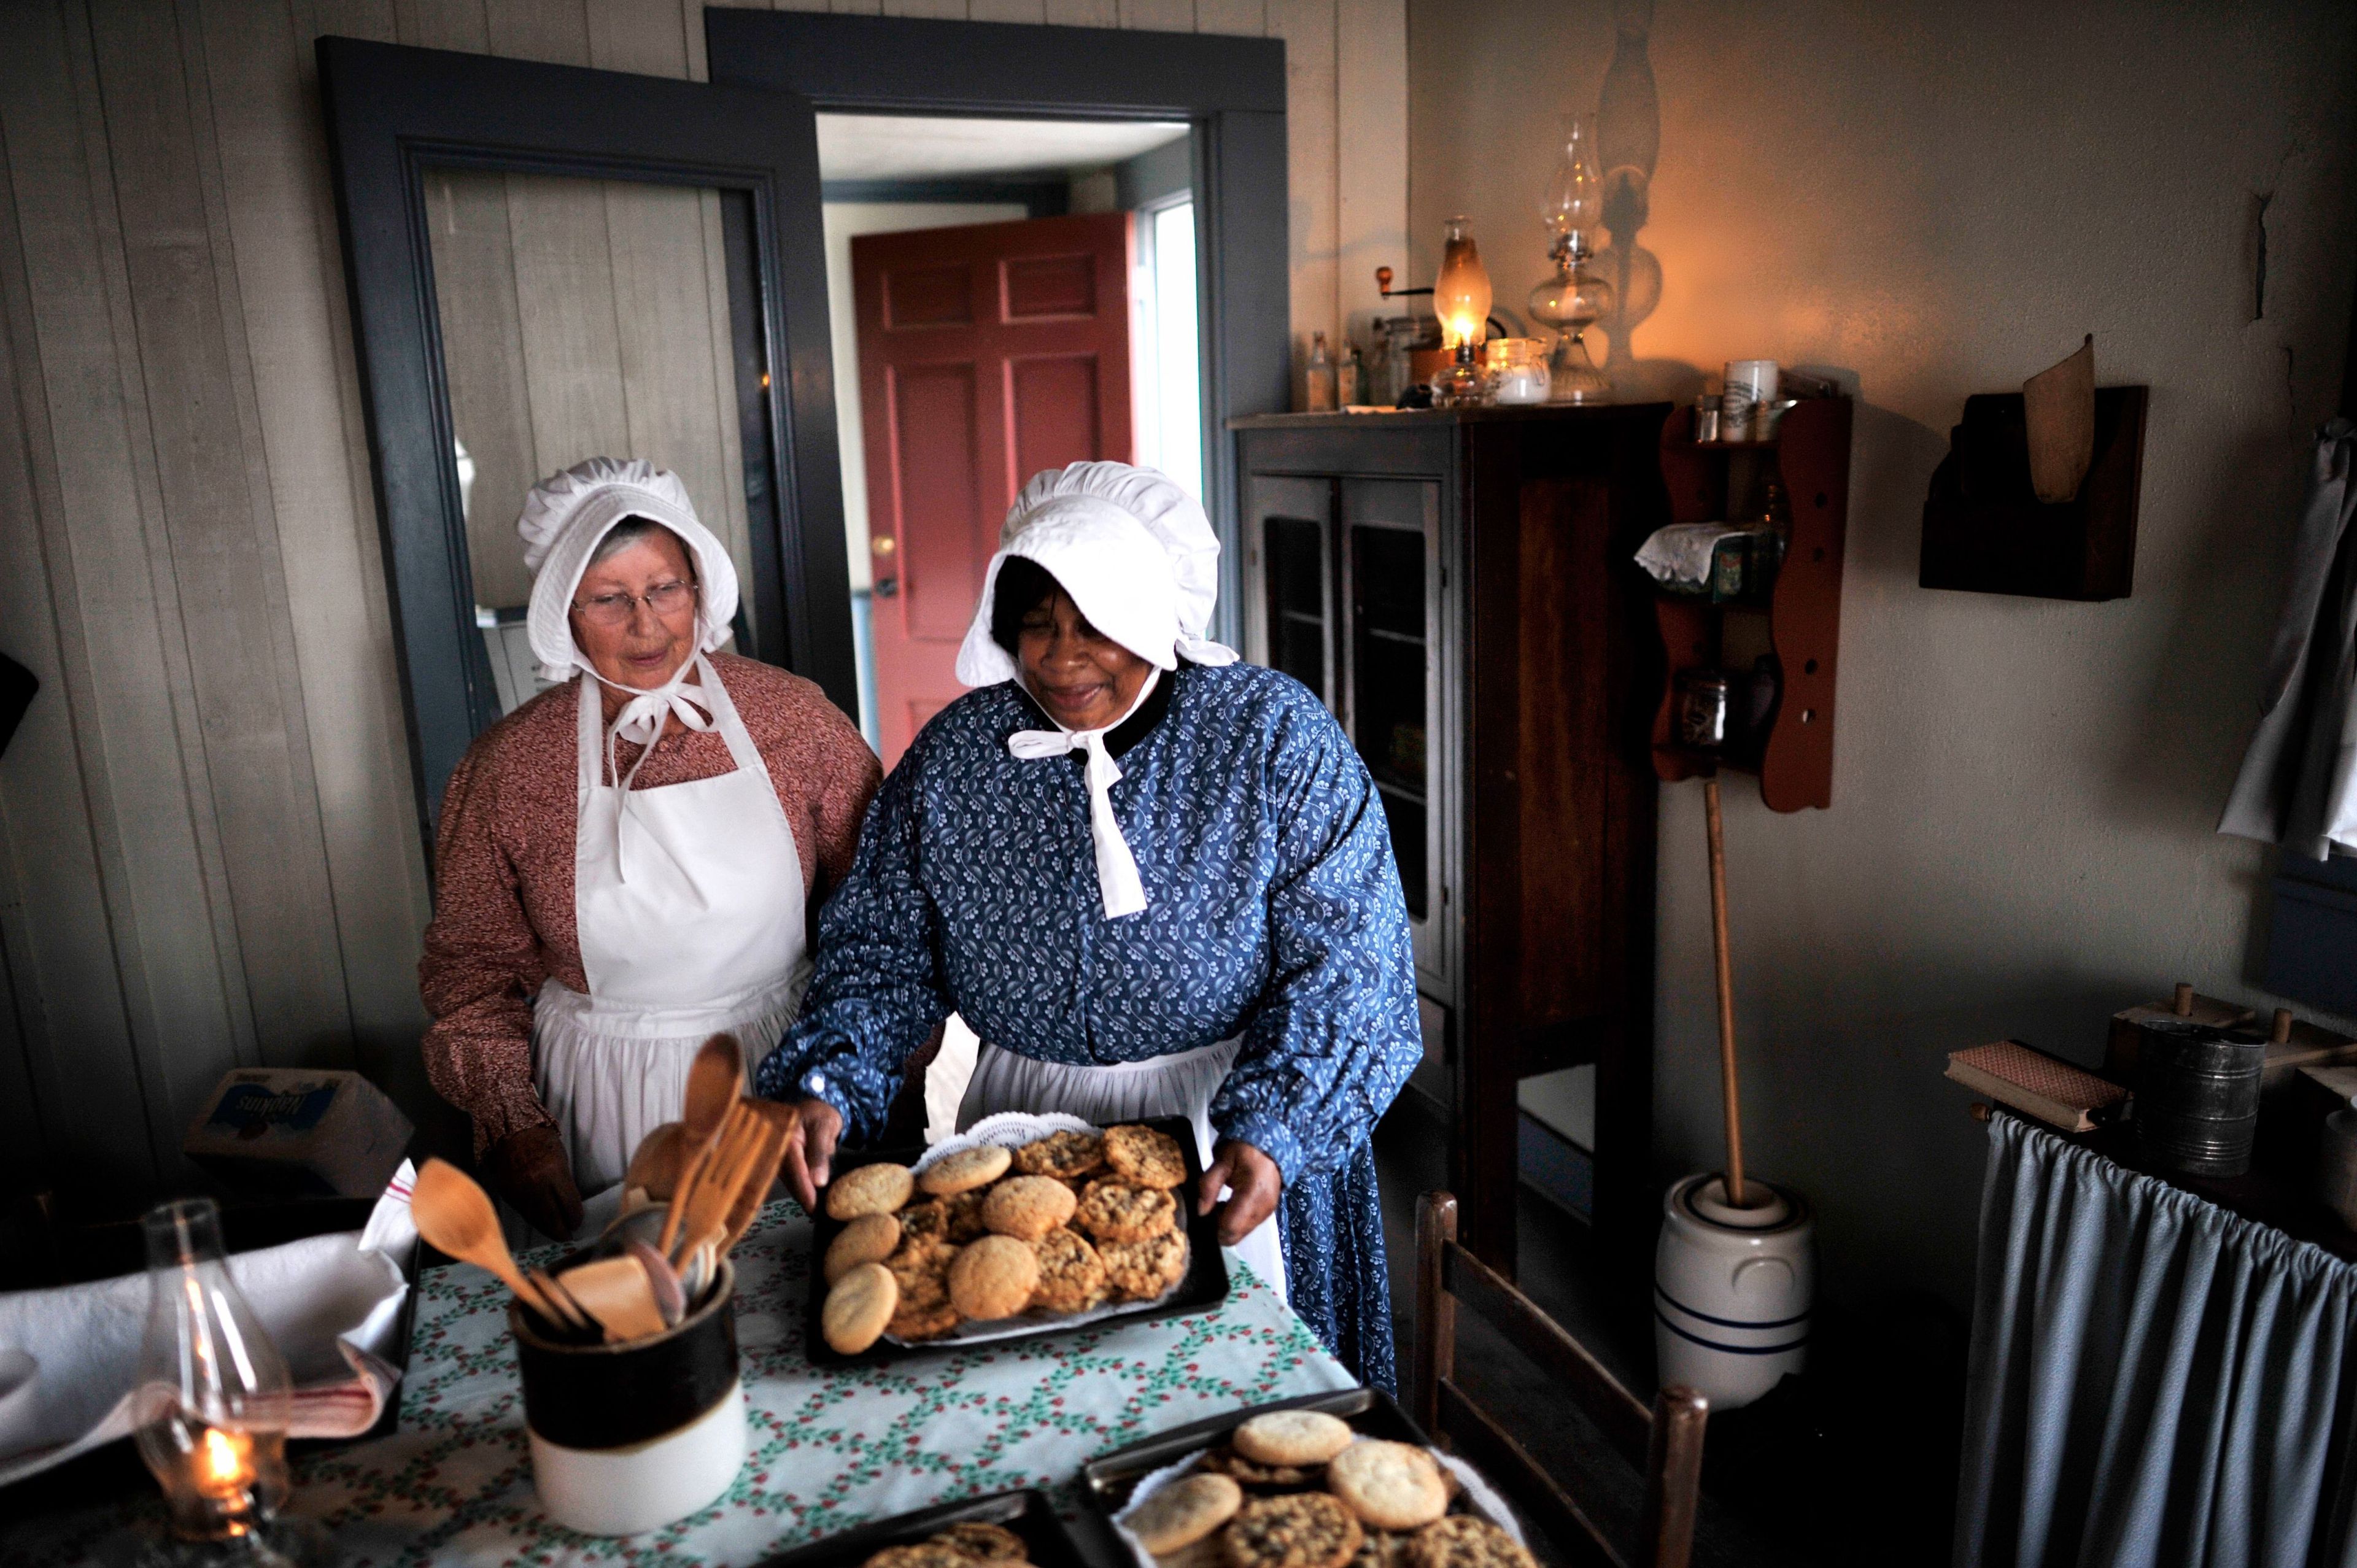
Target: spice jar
(1704, 698)
(1518, 371)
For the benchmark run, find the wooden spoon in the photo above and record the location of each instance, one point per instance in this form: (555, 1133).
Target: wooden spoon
(661, 1155)
(615, 1292)
(703, 1202)
(713, 1079)
(457, 1216)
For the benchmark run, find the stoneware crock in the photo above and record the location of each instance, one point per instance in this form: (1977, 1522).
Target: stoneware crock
(631, 1437)
(1732, 1289)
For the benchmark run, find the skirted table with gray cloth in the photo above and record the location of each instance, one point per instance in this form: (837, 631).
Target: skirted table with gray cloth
(828, 1447)
(2154, 1379)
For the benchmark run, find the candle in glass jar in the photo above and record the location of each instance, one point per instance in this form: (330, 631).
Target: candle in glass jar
(1518, 371)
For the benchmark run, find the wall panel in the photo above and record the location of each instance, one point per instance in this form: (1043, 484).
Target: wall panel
(207, 854)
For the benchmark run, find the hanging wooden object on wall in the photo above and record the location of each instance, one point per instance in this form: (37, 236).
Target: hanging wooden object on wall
(1984, 530)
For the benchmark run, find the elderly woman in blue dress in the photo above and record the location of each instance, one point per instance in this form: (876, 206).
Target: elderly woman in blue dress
(1154, 881)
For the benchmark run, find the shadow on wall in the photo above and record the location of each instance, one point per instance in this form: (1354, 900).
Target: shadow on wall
(1628, 142)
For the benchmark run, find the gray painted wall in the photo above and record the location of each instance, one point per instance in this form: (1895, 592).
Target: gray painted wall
(1940, 200)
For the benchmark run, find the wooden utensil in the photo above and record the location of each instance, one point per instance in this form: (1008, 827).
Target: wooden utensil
(616, 1293)
(778, 1122)
(713, 1079)
(566, 1307)
(1736, 1194)
(457, 1216)
(662, 1157)
(703, 1209)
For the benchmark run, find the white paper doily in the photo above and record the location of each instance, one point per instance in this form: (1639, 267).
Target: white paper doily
(1481, 1497)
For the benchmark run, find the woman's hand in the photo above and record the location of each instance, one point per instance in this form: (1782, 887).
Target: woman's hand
(531, 1169)
(1253, 1184)
(811, 1151)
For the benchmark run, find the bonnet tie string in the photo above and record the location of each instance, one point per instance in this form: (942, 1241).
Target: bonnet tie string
(641, 722)
(1118, 884)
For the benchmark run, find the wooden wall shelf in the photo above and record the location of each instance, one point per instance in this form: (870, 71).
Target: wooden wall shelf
(1706, 481)
(1984, 530)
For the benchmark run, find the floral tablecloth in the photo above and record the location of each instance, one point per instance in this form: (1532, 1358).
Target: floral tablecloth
(828, 1448)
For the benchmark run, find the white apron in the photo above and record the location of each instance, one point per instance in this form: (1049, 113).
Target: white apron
(687, 901)
(1179, 1085)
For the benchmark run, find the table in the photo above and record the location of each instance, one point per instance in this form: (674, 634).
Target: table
(826, 1450)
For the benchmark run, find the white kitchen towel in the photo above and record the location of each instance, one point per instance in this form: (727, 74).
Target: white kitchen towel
(331, 1305)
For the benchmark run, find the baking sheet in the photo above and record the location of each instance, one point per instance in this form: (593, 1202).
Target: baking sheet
(1205, 1285)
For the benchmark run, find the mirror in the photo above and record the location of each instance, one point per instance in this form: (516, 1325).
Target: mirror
(582, 319)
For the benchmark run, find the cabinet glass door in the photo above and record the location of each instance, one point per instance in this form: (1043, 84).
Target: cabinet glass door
(1391, 572)
(1292, 620)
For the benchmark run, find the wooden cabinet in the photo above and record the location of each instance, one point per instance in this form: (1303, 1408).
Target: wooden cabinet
(1458, 587)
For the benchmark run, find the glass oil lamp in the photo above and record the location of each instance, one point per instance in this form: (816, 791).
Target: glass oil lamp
(1460, 298)
(1571, 300)
(214, 1395)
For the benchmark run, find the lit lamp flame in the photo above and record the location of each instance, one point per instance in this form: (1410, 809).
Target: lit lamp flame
(1460, 295)
(225, 1463)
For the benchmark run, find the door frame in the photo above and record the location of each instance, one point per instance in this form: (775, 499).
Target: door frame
(1230, 90)
(391, 112)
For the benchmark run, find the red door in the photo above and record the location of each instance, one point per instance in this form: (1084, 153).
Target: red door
(986, 354)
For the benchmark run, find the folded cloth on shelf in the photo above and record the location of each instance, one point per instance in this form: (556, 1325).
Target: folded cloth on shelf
(1681, 554)
(331, 1303)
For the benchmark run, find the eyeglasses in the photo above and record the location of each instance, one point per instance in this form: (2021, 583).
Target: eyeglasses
(666, 599)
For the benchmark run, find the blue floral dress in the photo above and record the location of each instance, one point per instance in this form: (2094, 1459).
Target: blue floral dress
(1275, 916)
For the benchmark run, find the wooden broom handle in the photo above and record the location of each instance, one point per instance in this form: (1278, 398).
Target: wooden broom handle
(1735, 1192)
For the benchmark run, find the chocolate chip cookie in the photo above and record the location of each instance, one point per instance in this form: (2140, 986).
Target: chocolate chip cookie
(1071, 1275)
(1462, 1540)
(922, 1554)
(1253, 1475)
(984, 1542)
(1119, 1211)
(1140, 1271)
(1061, 1154)
(1143, 1156)
(1299, 1529)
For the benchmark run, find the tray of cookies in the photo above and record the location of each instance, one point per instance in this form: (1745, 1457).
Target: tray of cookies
(1019, 1227)
(1005, 1530)
(1337, 1480)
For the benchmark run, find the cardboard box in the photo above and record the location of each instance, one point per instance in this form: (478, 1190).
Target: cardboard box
(299, 1133)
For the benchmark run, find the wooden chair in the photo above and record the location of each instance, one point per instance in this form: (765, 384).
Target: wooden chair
(1664, 1443)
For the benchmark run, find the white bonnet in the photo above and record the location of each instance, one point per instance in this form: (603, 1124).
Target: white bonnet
(564, 517)
(1135, 551)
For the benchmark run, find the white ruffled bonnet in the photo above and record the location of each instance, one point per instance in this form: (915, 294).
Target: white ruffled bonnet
(564, 517)
(1133, 551)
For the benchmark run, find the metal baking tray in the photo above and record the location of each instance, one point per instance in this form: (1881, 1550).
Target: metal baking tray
(1027, 1513)
(1205, 1286)
(1108, 1480)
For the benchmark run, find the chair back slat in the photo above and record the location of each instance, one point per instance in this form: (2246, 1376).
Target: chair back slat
(1622, 1416)
(1672, 1477)
(1663, 1442)
(1493, 1449)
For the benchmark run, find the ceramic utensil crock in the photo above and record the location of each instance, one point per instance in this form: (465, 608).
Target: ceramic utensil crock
(630, 1437)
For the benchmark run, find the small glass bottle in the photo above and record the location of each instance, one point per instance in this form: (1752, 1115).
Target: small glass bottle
(1321, 376)
(214, 1396)
(1350, 380)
